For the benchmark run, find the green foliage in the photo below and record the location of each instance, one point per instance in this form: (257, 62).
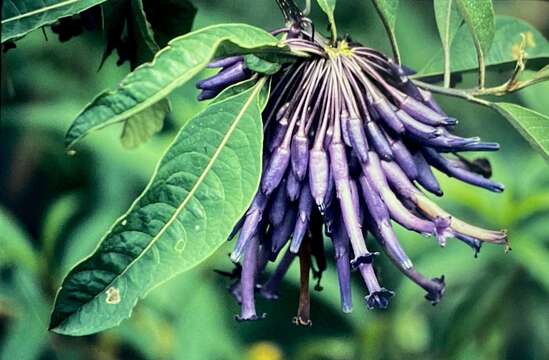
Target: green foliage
(200, 189)
(20, 17)
(480, 19)
(495, 305)
(449, 21)
(531, 124)
(504, 50)
(172, 67)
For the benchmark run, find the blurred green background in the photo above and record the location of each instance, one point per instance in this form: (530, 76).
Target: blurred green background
(54, 208)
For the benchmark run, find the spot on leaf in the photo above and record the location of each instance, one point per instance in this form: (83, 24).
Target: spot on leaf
(180, 245)
(113, 295)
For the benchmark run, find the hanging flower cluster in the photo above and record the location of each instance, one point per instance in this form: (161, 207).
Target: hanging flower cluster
(350, 142)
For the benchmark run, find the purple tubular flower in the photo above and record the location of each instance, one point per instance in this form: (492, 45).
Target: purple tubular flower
(475, 244)
(425, 176)
(225, 62)
(281, 234)
(247, 282)
(388, 115)
(341, 253)
(275, 170)
(355, 197)
(305, 207)
(279, 205)
(318, 175)
(416, 129)
(269, 290)
(435, 287)
(445, 166)
(379, 297)
(345, 127)
(379, 215)
(407, 190)
(425, 114)
(350, 217)
(379, 141)
(404, 159)
(300, 155)
(358, 138)
(348, 130)
(429, 101)
(398, 212)
(207, 94)
(249, 228)
(293, 186)
(279, 131)
(226, 77)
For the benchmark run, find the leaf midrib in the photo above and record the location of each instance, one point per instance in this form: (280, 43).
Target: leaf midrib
(189, 196)
(38, 11)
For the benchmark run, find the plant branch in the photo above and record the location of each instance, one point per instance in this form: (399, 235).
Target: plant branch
(464, 94)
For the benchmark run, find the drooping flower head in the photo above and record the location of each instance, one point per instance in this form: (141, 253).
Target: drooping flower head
(350, 144)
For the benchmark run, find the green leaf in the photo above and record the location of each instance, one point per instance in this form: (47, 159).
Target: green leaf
(504, 49)
(200, 188)
(449, 21)
(15, 244)
(530, 124)
(328, 6)
(387, 10)
(141, 126)
(480, 19)
(22, 16)
(183, 58)
(257, 64)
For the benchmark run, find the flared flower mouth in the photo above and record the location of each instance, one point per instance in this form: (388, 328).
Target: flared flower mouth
(350, 144)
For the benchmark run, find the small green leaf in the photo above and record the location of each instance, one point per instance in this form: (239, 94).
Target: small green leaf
(15, 244)
(257, 64)
(200, 188)
(504, 50)
(141, 126)
(328, 6)
(449, 21)
(480, 19)
(531, 125)
(20, 17)
(387, 10)
(183, 58)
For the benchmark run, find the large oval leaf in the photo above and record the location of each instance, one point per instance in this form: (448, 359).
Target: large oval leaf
(387, 10)
(22, 16)
(174, 65)
(200, 188)
(504, 48)
(531, 124)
